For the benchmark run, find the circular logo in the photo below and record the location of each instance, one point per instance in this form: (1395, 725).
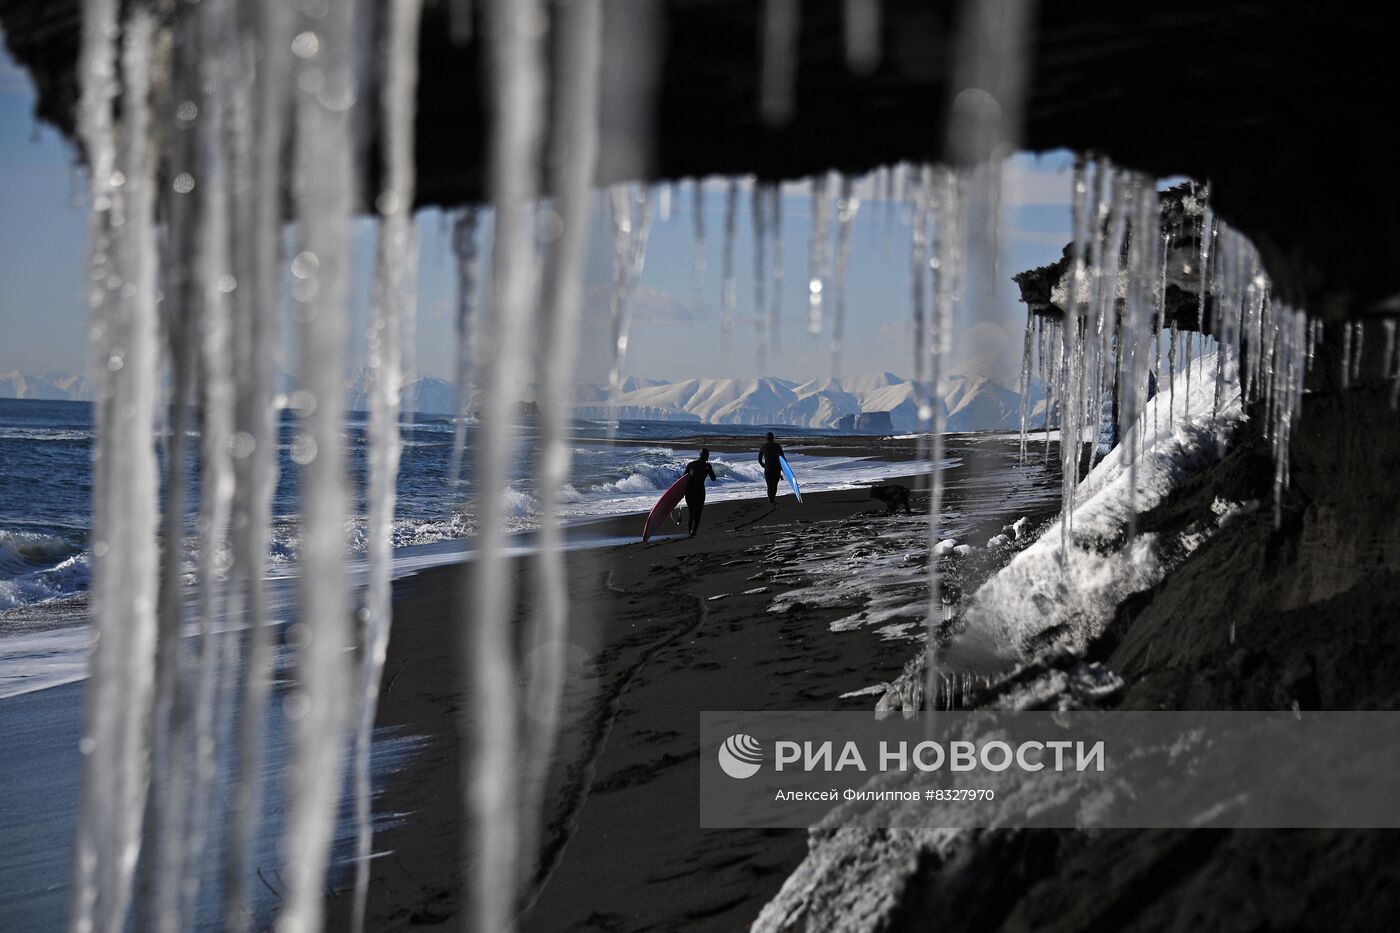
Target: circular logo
(741, 756)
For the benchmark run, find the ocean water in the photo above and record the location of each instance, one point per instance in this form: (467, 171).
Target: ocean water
(45, 493)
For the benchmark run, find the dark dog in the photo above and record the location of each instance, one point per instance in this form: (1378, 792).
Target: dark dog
(893, 496)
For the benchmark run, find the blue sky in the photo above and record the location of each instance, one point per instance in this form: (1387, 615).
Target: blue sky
(676, 332)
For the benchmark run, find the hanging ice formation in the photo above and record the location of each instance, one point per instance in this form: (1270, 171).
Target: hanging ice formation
(846, 206)
(949, 256)
(1125, 262)
(697, 214)
(465, 251)
(924, 394)
(122, 270)
(982, 132)
(395, 273)
(238, 95)
(325, 189)
(727, 296)
(631, 214)
(759, 211)
(775, 289)
(817, 274)
(576, 135)
(264, 71)
(492, 750)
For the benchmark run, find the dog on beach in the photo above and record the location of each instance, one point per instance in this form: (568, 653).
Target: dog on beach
(894, 496)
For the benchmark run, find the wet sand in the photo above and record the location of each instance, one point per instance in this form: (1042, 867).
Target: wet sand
(660, 632)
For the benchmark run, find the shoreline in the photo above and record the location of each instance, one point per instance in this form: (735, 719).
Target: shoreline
(53, 633)
(659, 632)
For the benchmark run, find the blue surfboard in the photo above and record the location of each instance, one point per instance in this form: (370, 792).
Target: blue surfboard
(792, 480)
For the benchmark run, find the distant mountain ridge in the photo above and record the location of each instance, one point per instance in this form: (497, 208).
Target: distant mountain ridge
(970, 403)
(53, 386)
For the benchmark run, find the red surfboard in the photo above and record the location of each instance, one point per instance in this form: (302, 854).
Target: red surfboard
(665, 504)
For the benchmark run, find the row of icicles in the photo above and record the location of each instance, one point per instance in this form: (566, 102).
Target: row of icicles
(1117, 337)
(190, 264)
(186, 123)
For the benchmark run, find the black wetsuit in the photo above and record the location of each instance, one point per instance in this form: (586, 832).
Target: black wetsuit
(695, 490)
(770, 457)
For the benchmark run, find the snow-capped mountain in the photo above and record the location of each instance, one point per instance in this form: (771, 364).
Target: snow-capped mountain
(972, 403)
(48, 385)
(427, 394)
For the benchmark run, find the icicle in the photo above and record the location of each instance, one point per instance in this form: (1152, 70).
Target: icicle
(663, 203)
(697, 213)
(1025, 382)
(758, 204)
(172, 720)
(1131, 359)
(118, 698)
(396, 269)
(1161, 326)
(846, 207)
(1073, 334)
(1207, 237)
(1186, 402)
(1171, 375)
(631, 223)
(816, 253)
(576, 135)
(1111, 293)
(214, 283)
(325, 192)
(862, 22)
(948, 277)
(464, 248)
(775, 291)
(492, 758)
(259, 310)
(727, 294)
(918, 283)
(1293, 337)
(778, 82)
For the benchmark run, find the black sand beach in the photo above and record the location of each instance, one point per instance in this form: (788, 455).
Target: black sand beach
(660, 632)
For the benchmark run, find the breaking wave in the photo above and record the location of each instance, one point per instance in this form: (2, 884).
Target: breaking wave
(38, 568)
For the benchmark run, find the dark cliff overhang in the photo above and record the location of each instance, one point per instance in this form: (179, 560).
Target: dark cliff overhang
(1278, 105)
(1045, 289)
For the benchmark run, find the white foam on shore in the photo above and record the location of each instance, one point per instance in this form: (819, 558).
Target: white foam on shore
(31, 661)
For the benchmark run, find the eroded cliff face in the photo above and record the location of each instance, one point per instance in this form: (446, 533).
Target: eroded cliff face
(1258, 617)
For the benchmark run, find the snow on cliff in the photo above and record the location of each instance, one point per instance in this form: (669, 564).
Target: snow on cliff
(1075, 589)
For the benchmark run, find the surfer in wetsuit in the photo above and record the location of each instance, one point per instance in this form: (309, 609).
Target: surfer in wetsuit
(695, 489)
(770, 458)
